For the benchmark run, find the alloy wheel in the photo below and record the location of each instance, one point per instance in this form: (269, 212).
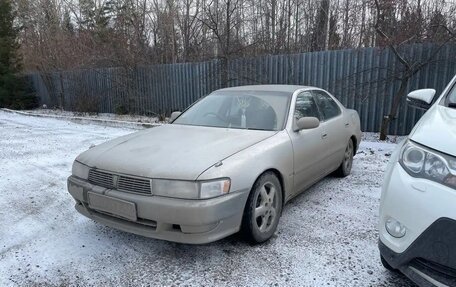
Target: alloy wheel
(266, 207)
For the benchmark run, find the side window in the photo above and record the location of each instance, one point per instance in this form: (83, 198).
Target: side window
(328, 107)
(305, 106)
(451, 98)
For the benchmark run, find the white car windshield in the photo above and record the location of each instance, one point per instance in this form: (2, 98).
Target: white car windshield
(239, 109)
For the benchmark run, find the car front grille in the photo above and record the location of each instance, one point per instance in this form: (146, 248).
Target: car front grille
(443, 274)
(426, 265)
(101, 178)
(119, 182)
(133, 184)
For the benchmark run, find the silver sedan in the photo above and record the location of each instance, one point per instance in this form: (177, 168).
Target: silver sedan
(228, 163)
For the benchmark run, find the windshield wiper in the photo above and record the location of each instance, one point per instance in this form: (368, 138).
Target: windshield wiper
(452, 105)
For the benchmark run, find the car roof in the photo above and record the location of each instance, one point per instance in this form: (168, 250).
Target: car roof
(270, 88)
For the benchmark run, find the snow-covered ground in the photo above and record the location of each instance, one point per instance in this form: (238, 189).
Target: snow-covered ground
(104, 116)
(327, 236)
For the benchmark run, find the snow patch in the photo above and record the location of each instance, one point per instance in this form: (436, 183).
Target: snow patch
(327, 236)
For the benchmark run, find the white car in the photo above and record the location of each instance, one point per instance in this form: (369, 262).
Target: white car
(418, 204)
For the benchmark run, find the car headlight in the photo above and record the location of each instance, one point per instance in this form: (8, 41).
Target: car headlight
(80, 170)
(421, 162)
(175, 188)
(190, 189)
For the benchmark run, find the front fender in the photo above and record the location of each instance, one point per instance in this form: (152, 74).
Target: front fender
(244, 167)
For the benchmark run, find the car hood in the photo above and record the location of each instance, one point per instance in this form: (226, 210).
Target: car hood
(170, 151)
(437, 129)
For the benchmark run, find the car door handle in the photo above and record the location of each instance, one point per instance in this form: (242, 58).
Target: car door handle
(346, 125)
(323, 136)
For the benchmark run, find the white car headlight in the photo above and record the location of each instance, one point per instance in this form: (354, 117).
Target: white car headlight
(422, 162)
(80, 170)
(190, 189)
(214, 188)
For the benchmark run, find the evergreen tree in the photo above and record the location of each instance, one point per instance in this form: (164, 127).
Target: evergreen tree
(12, 93)
(93, 17)
(334, 38)
(435, 31)
(387, 22)
(96, 19)
(87, 9)
(9, 65)
(320, 28)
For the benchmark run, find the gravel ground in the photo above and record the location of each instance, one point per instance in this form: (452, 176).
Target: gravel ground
(327, 236)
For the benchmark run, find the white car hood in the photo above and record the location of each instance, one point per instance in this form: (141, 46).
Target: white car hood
(437, 129)
(170, 151)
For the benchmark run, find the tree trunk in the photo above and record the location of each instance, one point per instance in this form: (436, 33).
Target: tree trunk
(227, 49)
(328, 19)
(363, 25)
(224, 72)
(395, 106)
(297, 20)
(62, 92)
(289, 26)
(273, 26)
(346, 24)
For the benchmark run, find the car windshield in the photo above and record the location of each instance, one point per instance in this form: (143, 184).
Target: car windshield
(256, 110)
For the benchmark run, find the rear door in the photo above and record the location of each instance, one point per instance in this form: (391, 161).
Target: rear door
(334, 130)
(307, 144)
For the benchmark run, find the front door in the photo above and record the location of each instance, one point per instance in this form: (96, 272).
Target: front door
(307, 144)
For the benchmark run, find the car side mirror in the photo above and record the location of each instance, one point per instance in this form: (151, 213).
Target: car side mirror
(421, 99)
(174, 116)
(307, 123)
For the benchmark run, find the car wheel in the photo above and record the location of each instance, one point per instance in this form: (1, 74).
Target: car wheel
(263, 209)
(347, 163)
(386, 264)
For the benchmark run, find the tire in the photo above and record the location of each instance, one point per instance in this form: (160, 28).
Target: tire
(386, 264)
(347, 163)
(262, 213)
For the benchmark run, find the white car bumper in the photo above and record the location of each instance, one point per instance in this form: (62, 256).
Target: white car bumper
(416, 203)
(427, 210)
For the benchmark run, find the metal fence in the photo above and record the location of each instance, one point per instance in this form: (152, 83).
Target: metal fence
(362, 79)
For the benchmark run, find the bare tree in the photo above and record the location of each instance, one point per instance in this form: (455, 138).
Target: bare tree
(218, 17)
(187, 17)
(409, 67)
(71, 34)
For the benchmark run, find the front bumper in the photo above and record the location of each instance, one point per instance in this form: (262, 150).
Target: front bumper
(427, 251)
(431, 259)
(178, 220)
